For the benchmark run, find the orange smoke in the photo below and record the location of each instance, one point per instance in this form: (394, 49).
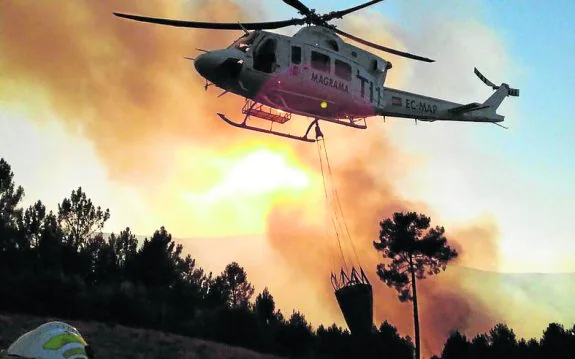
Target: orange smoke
(477, 244)
(124, 85)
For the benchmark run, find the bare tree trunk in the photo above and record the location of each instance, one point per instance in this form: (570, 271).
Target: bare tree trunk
(415, 314)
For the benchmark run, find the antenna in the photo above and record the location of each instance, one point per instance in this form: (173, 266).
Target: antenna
(243, 28)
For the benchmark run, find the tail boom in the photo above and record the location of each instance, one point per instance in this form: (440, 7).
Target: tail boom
(397, 103)
(404, 104)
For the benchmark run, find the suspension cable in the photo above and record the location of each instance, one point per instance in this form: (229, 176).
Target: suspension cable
(335, 194)
(332, 205)
(327, 204)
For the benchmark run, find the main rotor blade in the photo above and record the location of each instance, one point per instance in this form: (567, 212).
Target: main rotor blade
(214, 25)
(383, 48)
(299, 6)
(342, 13)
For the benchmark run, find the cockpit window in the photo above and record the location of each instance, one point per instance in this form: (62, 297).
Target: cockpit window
(244, 42)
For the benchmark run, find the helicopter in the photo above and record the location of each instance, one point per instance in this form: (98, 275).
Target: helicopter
(317, 75)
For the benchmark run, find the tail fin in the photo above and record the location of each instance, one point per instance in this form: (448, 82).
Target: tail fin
(501, 92)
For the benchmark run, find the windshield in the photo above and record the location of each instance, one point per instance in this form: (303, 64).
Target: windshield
(244, 42)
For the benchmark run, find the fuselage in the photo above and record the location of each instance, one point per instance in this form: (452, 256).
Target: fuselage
(314, 73)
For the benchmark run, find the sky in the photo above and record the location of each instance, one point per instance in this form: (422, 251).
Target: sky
(87, 99)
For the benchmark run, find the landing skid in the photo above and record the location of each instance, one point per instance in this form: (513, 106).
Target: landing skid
(249, 110)
(244, 125)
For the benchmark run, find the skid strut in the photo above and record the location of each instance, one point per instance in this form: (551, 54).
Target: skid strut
(255, 109)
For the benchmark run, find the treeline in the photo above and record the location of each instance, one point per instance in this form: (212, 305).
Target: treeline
(59, 264)
(501, 342)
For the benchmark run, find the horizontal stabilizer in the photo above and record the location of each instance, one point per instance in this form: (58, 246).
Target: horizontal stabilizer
(467, 108)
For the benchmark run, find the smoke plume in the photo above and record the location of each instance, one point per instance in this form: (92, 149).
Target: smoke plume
(124, 85)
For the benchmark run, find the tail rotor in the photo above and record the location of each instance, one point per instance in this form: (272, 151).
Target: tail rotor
(510, 91)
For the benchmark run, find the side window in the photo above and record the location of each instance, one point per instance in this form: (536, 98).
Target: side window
(296, 55)
(343, 70)
(320, 62)
(265, 56)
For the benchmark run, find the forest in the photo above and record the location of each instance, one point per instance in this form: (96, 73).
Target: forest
(59, 263)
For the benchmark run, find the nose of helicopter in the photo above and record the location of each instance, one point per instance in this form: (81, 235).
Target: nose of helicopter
(206, 64)
(220, 66)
